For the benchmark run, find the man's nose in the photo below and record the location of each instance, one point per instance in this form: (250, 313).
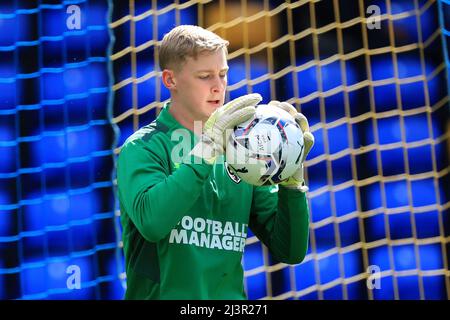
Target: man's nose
(218, 85)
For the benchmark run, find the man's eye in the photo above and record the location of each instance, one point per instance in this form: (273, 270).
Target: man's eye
(223, 75)
(204, 77)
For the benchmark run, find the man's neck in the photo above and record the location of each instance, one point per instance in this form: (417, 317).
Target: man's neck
(184, 118)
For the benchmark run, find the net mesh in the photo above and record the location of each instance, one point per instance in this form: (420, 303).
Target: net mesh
(56, 156)
(374, 89)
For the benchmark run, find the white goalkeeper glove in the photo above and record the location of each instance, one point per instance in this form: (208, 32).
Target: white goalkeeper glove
(297, 181)
(220, 123)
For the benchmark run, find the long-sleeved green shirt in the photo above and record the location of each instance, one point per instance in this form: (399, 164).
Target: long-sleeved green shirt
(185, 224)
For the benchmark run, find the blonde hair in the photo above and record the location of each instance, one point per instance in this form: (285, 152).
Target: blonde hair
(187, 41)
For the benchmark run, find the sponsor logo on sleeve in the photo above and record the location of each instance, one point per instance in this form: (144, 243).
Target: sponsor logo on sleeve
(231, 174)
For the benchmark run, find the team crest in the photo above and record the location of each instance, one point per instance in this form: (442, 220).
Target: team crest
(231, 174)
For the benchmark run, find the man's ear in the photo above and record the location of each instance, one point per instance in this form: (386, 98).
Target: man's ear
(168, 79)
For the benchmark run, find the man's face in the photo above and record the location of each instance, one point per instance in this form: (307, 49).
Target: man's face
(201, 84)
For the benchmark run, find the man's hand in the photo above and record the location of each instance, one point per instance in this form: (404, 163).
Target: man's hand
(214, 139)
(296, 181)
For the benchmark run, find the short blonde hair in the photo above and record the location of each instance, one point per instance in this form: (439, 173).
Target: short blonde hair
(187, 41)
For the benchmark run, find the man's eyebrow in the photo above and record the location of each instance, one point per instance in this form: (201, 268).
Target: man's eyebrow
(210, 70)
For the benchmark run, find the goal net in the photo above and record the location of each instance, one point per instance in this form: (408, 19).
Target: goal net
(371, 77)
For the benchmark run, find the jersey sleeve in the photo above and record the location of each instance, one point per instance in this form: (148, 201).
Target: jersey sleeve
(281, 221)
(154, 199)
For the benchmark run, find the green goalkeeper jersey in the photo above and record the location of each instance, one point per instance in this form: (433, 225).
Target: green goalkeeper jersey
(185, 224)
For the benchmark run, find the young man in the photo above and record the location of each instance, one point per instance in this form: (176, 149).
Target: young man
(185, 222)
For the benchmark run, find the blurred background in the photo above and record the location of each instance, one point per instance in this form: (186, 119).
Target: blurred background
(78, 77)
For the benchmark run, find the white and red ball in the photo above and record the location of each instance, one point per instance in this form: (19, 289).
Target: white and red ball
(266, 149)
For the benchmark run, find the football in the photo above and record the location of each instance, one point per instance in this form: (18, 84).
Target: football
(266, 149)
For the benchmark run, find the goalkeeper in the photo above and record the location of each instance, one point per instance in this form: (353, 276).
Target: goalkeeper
(185, 222)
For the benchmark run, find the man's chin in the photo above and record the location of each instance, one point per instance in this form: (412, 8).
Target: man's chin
(210, 109)
(214, 106)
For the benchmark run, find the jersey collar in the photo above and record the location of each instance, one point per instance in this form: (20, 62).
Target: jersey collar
(166, 118)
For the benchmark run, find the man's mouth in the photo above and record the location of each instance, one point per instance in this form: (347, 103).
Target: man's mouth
(214, 102)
